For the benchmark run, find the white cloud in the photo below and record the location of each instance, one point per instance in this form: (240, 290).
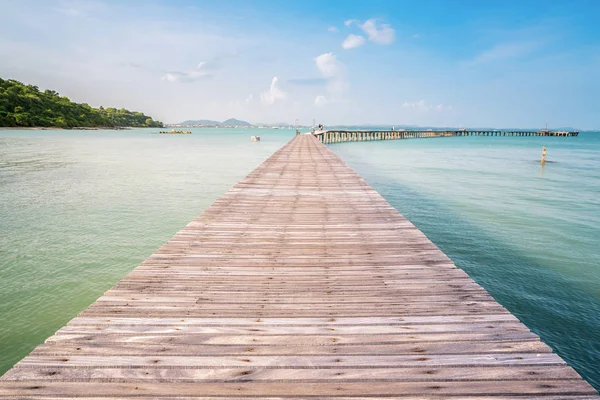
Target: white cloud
(382, 34)
(249, 99)
(353, 41)
(328, 65)
(171, 77)
(334, 72)
(203, 70)
(350, 22)
(186, 76)
(273, 94)
(417, 104)
(332, 29)
(424, 106)
(320, 101)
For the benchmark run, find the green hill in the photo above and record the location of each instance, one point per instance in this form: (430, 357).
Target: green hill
(200, 122)
(25, 105)
(209, 122)
(235, 122)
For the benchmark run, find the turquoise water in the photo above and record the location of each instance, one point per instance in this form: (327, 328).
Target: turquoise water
(78, 210)
(531, 237)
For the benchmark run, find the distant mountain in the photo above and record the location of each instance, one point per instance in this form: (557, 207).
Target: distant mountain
(198, 122)
(209, 122)
(235, 122)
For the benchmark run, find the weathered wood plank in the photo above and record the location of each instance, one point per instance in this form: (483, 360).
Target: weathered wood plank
(297, 330)
(415, 388)
(517, 373)
(291, 340)
(82, 348)
(254, 322)
(341, 360)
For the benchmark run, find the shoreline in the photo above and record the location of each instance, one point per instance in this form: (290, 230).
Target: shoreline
(48, 128)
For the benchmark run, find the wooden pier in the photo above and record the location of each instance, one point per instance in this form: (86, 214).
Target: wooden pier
(339, 136)
(300, 282)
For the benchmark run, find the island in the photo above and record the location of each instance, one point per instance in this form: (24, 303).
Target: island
(27, 106)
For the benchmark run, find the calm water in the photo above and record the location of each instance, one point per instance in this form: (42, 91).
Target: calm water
(78, 210)
(531, 237)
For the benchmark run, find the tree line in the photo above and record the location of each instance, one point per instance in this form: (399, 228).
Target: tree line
(27, 106)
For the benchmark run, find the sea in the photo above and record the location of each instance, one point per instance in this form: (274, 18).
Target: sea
(80, 209)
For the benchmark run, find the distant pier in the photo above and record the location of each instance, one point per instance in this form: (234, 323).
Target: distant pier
(339, 136)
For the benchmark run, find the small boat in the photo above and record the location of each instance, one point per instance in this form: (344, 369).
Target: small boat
(174, 132)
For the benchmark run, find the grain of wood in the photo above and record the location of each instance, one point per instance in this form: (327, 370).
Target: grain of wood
(301, 281)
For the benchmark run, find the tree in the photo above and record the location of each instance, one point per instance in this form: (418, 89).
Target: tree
(25, 105)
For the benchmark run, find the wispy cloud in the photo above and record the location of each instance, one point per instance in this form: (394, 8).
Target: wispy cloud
(332, 29)
(218, 61)
(273, 94)
(130, 64)
(307, 81)
(204, 70)
(189, 76)
(249, 99)
(80, 8)
(349, 22)
(353, 41)
(424, 106)
(506, 51)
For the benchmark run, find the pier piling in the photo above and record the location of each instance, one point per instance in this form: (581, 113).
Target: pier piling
(336, 136)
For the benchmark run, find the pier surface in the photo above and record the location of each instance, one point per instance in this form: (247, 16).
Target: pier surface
(300, 282)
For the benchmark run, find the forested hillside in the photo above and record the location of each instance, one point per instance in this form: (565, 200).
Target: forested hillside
(25, 105)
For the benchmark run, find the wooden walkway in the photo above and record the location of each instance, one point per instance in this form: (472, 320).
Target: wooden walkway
(300, 282)
(337, 136)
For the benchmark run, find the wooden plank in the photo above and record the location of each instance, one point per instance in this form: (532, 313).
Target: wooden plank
(341, 360)
(517, 373)
(297, 330)
(292, 340)
(452, 388)
(343, 396)
(254, 322)
(300, 282)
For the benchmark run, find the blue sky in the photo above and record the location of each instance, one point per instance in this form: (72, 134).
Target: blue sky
(440, 63)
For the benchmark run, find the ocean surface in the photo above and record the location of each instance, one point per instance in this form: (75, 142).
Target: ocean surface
(80, 209)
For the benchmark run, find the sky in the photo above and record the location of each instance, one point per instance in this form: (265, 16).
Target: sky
(460, 63)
